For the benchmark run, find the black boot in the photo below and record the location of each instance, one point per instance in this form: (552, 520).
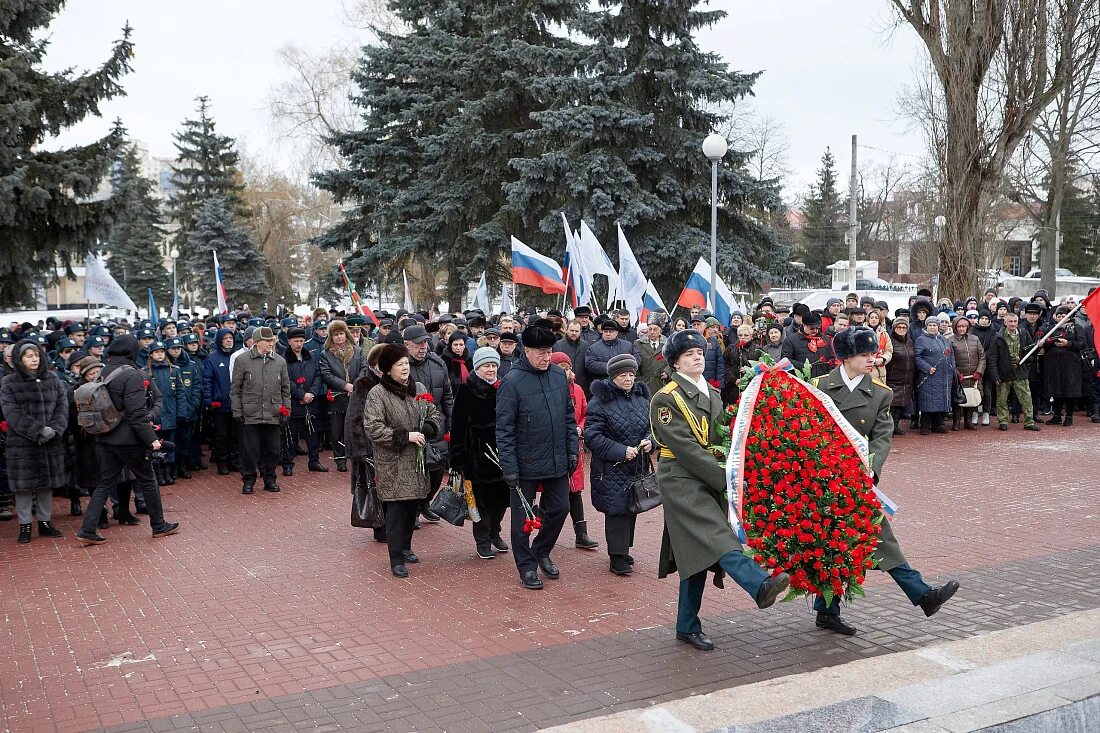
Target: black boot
(45, 529)
(956, 423)
(897, 413)
(24, 534)
(181, 469)
(1068, 422)
(584, 542)
(169, 470)
(74, 507)
(1096, 412)
(342, 465)
(158, 471)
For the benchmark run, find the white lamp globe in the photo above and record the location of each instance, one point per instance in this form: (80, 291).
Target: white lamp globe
(714, 146)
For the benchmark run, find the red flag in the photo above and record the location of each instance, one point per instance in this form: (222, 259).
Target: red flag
(364, 310)
(1091, 306)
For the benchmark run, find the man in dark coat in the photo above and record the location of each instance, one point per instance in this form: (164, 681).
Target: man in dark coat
(865, 404)
(130, 445)
(306, 392)
(599, 353)
(537, 445)
(573, 345)
(805, 344)
(697, 536)
(429, 370)
(1003, 362)
(589, 335)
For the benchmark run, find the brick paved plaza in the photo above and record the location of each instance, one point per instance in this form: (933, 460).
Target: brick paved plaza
(270, 612)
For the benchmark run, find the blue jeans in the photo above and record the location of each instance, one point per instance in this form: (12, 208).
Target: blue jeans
(908, 579)
(745, 573)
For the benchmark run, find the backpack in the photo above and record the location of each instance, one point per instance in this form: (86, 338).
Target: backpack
(95, 411)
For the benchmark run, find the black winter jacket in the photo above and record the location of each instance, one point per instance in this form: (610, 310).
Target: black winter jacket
(134, 394)
(999, 359)
(615, 421)
(305, 376)
(536, 425)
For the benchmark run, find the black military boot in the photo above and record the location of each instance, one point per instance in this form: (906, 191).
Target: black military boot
(45, 529)
(169, 470)
(181, 469)
(24, 534)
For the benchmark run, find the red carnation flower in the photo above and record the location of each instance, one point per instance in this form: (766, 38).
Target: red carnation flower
(425, 397)
(216, 405)
(145, 384)
(284, 411)
(3, 426)
(328, 395)
(300, 380)
(446, 437)
(714, 383)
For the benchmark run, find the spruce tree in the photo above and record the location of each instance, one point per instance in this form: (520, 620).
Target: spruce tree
(443, 107)
(620, 143)
(823, 223)
(1080, 223)
(47, 213)
(206, 167)
(242, 265)
(136, 242)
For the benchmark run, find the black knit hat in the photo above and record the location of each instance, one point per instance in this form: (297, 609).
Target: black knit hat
(680, 342)
(852, 341)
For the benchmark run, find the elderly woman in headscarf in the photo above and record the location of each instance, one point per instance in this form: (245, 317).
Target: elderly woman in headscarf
(969, 368)
(935, 377)
(35, 405)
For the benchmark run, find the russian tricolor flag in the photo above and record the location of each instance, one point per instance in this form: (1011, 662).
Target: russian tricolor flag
(531, 268)
(695, 292)
(651, 302)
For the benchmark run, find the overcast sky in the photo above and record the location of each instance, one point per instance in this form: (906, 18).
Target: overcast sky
(830, 69)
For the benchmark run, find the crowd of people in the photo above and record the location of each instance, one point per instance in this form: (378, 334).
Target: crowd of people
(510, 403)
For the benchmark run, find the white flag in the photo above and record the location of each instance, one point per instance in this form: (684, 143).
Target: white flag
(505, 300)
(579, 278)
(100, 287)
(632, 283)
(408, 293)
(481, 295)
(596, 261)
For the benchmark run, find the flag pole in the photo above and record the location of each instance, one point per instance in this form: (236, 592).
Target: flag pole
(1050, 333)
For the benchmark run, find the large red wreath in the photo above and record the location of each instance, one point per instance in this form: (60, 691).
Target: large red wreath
(808, 504)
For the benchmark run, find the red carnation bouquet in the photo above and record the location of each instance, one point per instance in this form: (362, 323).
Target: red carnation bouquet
(808, 500)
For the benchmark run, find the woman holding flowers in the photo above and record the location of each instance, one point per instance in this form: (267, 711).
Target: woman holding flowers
(400, 418)
(616, 430)
(474, 442)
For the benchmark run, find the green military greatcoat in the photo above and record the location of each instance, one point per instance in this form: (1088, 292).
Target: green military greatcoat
(693, 482)
(867, 408)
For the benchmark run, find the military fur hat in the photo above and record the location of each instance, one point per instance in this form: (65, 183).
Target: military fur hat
(539, 334)
(680, 342)
(852, 341)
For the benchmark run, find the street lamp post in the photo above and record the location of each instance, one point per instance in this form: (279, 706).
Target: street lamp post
(174, 254)
(714, 147)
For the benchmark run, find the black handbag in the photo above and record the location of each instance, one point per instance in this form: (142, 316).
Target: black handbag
(645, 493)
(434, 457)
(366, 510)
(958, 397)
(450, 504)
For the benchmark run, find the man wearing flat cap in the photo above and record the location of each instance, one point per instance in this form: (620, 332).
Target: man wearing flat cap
(865, 404)
(537, 446)
(260, 396)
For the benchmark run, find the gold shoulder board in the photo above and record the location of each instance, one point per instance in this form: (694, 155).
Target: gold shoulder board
(881, 384)
(816, 381)
(669, 388)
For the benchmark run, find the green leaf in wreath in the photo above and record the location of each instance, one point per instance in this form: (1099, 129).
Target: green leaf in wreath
(791, 595)
(857, 590)
(877, 520)
(828, 596)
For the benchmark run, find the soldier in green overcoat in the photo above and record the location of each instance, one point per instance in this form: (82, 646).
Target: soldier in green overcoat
(865, 404)
(697, 536)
